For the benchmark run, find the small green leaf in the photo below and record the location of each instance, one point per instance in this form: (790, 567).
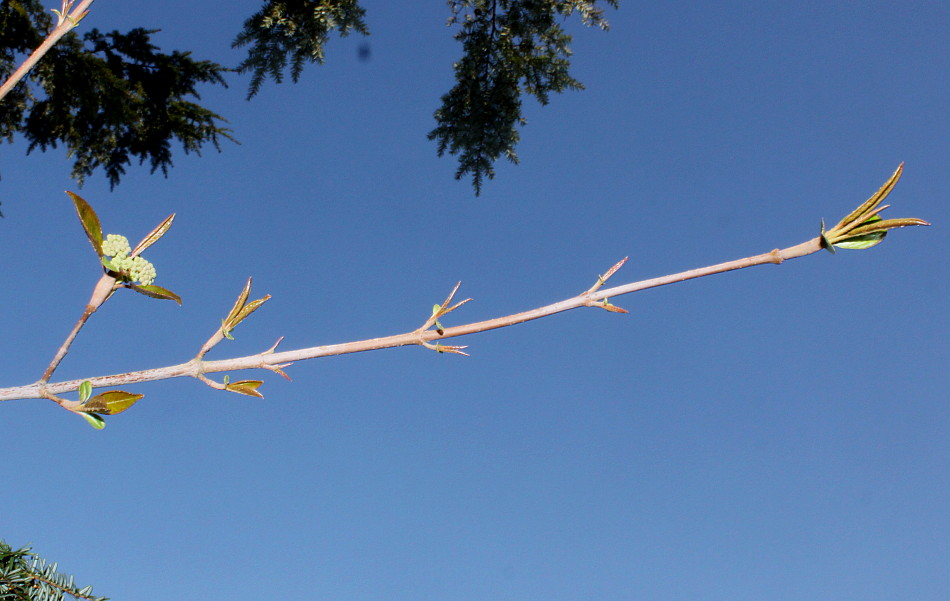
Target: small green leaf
(248, 387)
(862, 242)
(156, 292)
(90, 222)
(868, 235)
(153, 236)
(94, 420)
(85, 391)
(107, 263)
(436, 309)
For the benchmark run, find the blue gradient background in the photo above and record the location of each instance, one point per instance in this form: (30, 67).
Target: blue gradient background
(779, 433)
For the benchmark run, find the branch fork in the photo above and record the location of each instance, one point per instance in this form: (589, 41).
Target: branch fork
(433, 320)
(604, 303)
(239, 312)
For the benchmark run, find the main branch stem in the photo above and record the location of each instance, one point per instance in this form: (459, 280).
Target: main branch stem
(196, 367)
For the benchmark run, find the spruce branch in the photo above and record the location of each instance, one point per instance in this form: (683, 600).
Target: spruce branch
(24, 575)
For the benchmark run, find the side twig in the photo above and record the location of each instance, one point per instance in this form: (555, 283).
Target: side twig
(69, 18)
(103, 290)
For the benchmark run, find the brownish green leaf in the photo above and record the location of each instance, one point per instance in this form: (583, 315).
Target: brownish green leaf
(153, 236)
(112, 402)
(250, 308)
(156, 292)
(89, 220)
(248, 387)
(238, 304)
(241, 310)
(870, 204)
(881, 225)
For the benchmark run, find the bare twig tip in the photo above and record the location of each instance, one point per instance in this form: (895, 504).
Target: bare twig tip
(273, 348)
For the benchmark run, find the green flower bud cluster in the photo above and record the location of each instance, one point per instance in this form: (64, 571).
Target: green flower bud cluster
(116, 246)
(136, 268)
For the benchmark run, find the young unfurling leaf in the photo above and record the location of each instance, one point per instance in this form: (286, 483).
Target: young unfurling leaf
(85, 391)
(241, 310)
(89, 220)
(248, 387)
(156, 292)
(94, 420)
(153, 236)
(864, 227)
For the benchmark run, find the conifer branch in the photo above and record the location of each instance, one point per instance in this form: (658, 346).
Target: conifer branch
(24, 575)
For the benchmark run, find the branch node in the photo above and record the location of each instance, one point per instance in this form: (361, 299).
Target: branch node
(443, 348)
(278, 369)
(606, 305)
(440, 310)
(273, 348)
(602, 279)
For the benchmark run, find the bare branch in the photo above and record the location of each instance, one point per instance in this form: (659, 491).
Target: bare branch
(103, 290)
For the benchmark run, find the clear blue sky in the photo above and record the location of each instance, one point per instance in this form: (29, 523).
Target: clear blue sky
(779, 433)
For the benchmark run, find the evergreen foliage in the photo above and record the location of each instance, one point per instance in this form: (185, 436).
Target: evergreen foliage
(112, 97)
(510, 48)
(108, 97)
(24, 576)
(297, 29)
